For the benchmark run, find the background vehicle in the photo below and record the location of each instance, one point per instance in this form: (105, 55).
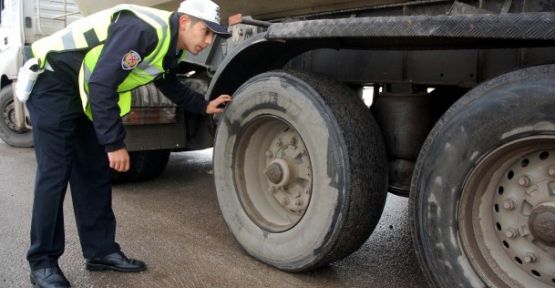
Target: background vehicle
(461, 121)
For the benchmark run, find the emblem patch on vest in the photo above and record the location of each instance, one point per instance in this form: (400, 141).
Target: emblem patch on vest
(130, 60)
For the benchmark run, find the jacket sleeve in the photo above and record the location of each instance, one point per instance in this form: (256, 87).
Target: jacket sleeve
(180, 94)
(127, 35)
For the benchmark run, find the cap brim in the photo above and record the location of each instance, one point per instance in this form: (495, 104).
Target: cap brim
(218, 29)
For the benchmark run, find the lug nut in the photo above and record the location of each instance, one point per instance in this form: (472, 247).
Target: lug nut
(524, 230)
(530, 258)
(509, 204)
(292, 141)
(511, 233)
(532, 189)
(524, 181)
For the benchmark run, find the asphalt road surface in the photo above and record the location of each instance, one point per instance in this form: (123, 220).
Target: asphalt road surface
(174, 224)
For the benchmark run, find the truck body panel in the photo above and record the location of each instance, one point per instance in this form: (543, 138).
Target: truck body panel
(264, 10)
(43, 18)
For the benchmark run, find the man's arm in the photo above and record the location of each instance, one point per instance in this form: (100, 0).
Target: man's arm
(190, 100)
(180, 94)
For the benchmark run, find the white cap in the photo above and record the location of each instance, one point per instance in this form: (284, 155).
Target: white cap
(207, 11)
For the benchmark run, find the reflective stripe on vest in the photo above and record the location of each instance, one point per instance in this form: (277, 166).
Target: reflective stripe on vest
(91, 31)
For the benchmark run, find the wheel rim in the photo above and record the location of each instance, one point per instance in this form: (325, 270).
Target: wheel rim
(9, 118)
(507, 214)
(273, 173)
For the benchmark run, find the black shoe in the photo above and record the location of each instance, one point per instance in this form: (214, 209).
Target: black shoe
(116, 262)
(51, 277)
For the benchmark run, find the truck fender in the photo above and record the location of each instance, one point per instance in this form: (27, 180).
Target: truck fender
(255, 56)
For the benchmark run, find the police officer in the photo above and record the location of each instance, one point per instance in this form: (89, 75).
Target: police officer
(88, 70)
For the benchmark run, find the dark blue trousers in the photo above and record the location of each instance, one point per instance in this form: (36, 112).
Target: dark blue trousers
(67, 150)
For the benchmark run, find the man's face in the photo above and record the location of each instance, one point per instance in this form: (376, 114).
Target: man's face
(193, 37)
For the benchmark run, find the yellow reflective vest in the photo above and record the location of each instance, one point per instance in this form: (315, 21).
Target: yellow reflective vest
(90, 33)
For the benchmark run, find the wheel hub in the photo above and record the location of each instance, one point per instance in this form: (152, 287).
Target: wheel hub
(507, 214)
(273, 173)
(288, 172)
(10, 119)
(524, 214)
(542, 223)
(278, 172)
(9, 116)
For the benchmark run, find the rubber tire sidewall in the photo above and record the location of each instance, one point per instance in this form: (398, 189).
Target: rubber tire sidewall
(506, 108)
(12, 138)
(299, 105)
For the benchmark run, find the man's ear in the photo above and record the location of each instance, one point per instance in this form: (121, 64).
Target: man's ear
(184, 20)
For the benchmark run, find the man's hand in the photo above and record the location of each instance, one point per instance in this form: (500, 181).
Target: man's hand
(119, 160)
(213, 105)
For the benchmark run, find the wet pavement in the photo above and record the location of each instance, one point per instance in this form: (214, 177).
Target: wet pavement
(174, 224)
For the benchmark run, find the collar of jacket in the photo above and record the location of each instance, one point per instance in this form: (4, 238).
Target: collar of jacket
(170, 61)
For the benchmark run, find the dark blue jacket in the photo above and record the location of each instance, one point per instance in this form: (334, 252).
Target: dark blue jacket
(126, 33)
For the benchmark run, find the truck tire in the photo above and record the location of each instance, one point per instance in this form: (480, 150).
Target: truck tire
(482, 200)
(300, 170)
(22, 139)
(145, 165)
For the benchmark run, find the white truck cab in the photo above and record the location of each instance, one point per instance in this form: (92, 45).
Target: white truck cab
(11, 39)
(23, 22)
